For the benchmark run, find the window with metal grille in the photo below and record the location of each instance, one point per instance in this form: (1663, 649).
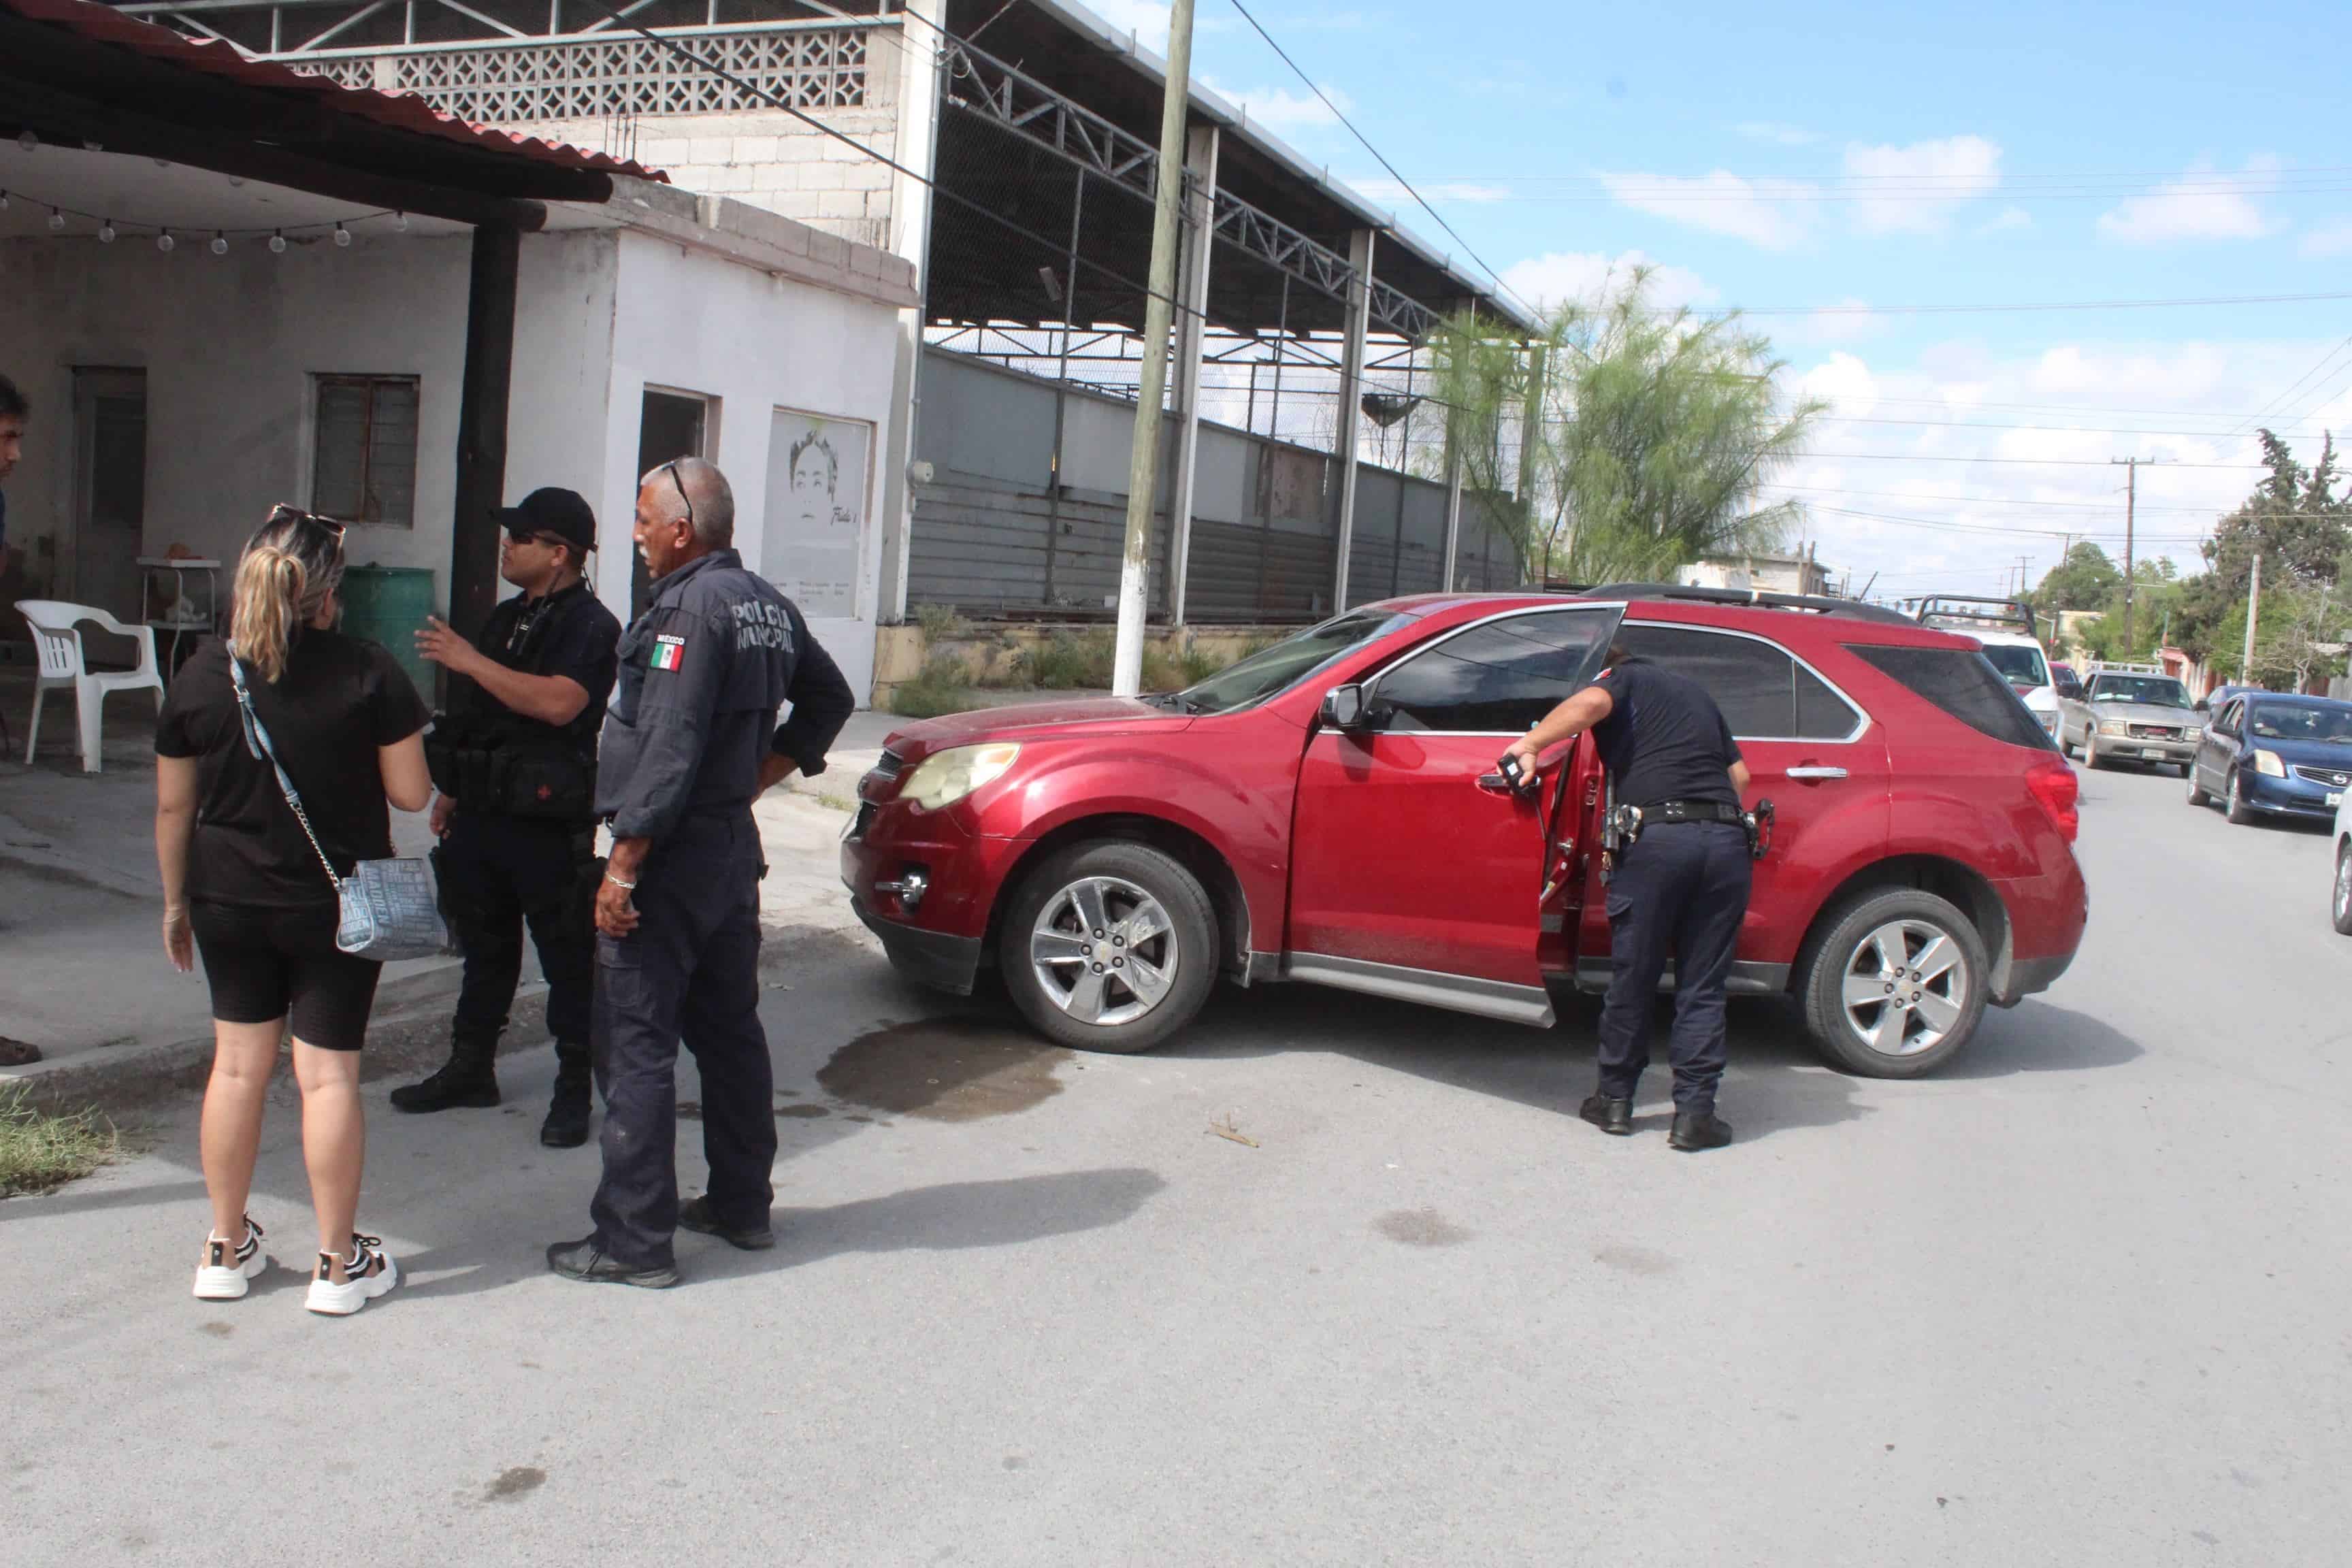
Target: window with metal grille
(365, 468)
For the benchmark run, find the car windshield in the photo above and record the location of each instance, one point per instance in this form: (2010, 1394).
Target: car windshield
(2300, 722)
(2151, 690)
(1286, 663)
(2019, 664)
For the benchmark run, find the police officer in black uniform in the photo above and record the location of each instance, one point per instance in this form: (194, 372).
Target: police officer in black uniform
(1680, 882)
(690, 741)
(514, 759)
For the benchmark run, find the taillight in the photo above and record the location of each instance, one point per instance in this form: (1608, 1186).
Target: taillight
(2057, 789)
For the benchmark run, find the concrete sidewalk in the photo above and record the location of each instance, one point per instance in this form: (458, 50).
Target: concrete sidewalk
(84, 978)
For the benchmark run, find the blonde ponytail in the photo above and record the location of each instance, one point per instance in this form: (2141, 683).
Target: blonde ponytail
(270, 587)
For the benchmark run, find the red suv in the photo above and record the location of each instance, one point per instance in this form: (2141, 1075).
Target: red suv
(1328, 810)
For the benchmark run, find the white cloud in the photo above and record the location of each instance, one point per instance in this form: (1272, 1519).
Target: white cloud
(1916, 189)
(2009, 219)
(2203, 203)
(1775, 214)
(1564, 276)
(1278, 108)
(2336, 240)
(1851, 322)
(1776, 133)
(1451, 190)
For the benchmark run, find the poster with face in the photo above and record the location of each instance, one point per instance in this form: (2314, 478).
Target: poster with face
(816, 510)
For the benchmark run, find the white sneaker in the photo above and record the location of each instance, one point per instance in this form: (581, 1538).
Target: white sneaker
(225, 1270)
(368, 1272)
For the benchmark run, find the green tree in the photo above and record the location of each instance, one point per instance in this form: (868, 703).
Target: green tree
(2084, 581)
(2295, 520)
(1623, 441)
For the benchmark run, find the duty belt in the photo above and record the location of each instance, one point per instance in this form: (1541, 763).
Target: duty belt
(1624, 824)
(1667, 811)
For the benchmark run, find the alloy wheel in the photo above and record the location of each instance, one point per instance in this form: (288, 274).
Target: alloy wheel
(1905, 987)
(2344, 889)
(1104, 951)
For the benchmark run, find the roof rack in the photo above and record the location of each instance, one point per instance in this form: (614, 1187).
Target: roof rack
(1978, 610)
(1816, 604)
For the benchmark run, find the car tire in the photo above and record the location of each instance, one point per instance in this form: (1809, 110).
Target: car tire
(2341, 903)
(1129, 882)
(1856, 942)
(2234, 805)
(2091, 750)
(2197, 795)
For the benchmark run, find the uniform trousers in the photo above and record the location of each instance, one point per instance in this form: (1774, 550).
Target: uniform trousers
(690, 973)
(1680, 888)
(499, 874)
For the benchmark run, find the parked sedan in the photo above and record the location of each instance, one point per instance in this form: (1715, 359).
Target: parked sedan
(2339, 906)
(2127, 717)
(2273, 755)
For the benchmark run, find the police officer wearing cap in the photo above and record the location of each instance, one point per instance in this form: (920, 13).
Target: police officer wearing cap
(692, 739)
(514, 761)
(1680, 882)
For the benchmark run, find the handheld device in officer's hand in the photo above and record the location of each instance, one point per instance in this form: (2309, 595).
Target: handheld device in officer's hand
(1516, 774)
(1759, 824)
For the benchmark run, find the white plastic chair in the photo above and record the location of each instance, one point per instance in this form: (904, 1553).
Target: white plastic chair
(57, 636)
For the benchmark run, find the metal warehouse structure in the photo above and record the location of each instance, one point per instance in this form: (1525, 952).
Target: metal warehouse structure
(1007, 150)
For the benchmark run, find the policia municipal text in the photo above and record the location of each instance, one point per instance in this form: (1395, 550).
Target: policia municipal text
(1679, 885)
(514, 759)
(690, 739)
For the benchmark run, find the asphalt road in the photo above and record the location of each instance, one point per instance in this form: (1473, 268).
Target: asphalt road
(2079, 1301)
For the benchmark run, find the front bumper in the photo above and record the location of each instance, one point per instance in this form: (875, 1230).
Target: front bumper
(2288, 797)
(2126, 749)
(934, 958)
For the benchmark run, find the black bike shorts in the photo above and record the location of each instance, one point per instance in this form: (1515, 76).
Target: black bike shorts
(264, 964)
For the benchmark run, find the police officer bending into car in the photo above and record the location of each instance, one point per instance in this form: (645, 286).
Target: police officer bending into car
(514, 759)
(690, 741)
(1679, 884)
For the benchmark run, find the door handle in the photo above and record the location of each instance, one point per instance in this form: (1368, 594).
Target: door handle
(1495, 784)
(1810, 771)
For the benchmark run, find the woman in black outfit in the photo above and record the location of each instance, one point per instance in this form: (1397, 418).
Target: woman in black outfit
(244, 888)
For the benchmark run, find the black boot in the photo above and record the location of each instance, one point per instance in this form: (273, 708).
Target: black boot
(467, 1080)
(566, 1126)
(1697, 1129)
(1614, 1117)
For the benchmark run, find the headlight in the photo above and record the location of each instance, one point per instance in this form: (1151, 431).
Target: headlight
(2114, 727)
(2193, 732)
(946, 777)
(2267, 763)
(2048, 722)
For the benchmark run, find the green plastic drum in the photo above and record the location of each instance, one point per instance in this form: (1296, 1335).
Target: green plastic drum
(388, 605)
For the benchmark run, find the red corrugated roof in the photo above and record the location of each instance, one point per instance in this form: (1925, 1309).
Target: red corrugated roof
(106, 26)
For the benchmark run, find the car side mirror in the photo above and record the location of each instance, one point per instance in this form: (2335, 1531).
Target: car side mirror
(1345, 707)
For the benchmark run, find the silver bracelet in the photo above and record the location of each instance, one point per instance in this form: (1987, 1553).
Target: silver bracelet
(629, 887)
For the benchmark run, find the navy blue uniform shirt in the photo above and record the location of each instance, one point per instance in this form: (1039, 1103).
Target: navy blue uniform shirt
(1665, 738)
(702, 673)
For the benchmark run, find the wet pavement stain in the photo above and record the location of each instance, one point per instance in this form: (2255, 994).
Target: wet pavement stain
(1634, 1260)
(514, 1483)
(945, 1070)
(1420, 1227)
(217, 1329)
(801, 1112)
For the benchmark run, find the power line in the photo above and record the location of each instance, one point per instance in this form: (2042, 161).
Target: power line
(2035, 462)
(2324, 360)
(1258, 28)
(2054, 429)
(1853, 310)
(1984, 500)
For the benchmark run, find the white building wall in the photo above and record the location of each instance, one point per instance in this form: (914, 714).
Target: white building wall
(688, 322)
(229, 345)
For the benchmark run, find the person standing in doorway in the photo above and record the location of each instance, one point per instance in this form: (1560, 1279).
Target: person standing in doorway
(690, 741)
(514, 762)
(14, 412)
(244, 887)
(1681, 882)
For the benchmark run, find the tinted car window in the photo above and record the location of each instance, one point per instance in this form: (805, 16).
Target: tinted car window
(1499, 677)
(2300, 722)
(1822, 714)
(1753, 682)
(2156, 691)
(1288, 662)
(2019, 664)
(1963, 685)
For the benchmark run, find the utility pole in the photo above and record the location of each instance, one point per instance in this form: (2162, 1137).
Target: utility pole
(2131, 505)
(1159, 315)
(2254, 611)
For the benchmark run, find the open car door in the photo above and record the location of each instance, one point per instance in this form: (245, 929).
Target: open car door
(1416, 871)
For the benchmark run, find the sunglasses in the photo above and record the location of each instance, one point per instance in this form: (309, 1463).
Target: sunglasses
(525, 536)
(689, 500)
(281, 512)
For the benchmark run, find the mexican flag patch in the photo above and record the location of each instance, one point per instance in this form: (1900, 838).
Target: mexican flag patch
(670, 652)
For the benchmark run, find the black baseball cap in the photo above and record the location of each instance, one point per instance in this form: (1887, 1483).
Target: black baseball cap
(562, 513)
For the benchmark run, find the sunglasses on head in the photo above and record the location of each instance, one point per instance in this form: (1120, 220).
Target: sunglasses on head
(672, 468)
(284, 513)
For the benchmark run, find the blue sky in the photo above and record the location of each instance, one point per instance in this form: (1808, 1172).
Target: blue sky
(1872, 157)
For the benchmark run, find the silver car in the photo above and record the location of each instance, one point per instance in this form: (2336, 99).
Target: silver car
(2130, 716)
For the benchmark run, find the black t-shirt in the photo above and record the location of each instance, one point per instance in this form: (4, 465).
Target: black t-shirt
(1665, 738)
(339, 700)
(568, 633)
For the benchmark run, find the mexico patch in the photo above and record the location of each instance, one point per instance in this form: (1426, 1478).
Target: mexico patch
(670, 652)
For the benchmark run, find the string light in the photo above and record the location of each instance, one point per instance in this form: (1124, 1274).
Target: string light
(4, 201)
(220, 243)
(343, 238)
(165, 242)
(277, 243)
(106, 231)
(338, 229)
(57, 220)
(27, 141)
(400, 222)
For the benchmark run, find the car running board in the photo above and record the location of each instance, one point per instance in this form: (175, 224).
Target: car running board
(1498, 999)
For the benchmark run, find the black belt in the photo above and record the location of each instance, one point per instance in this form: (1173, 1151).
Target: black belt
(1670, 811)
